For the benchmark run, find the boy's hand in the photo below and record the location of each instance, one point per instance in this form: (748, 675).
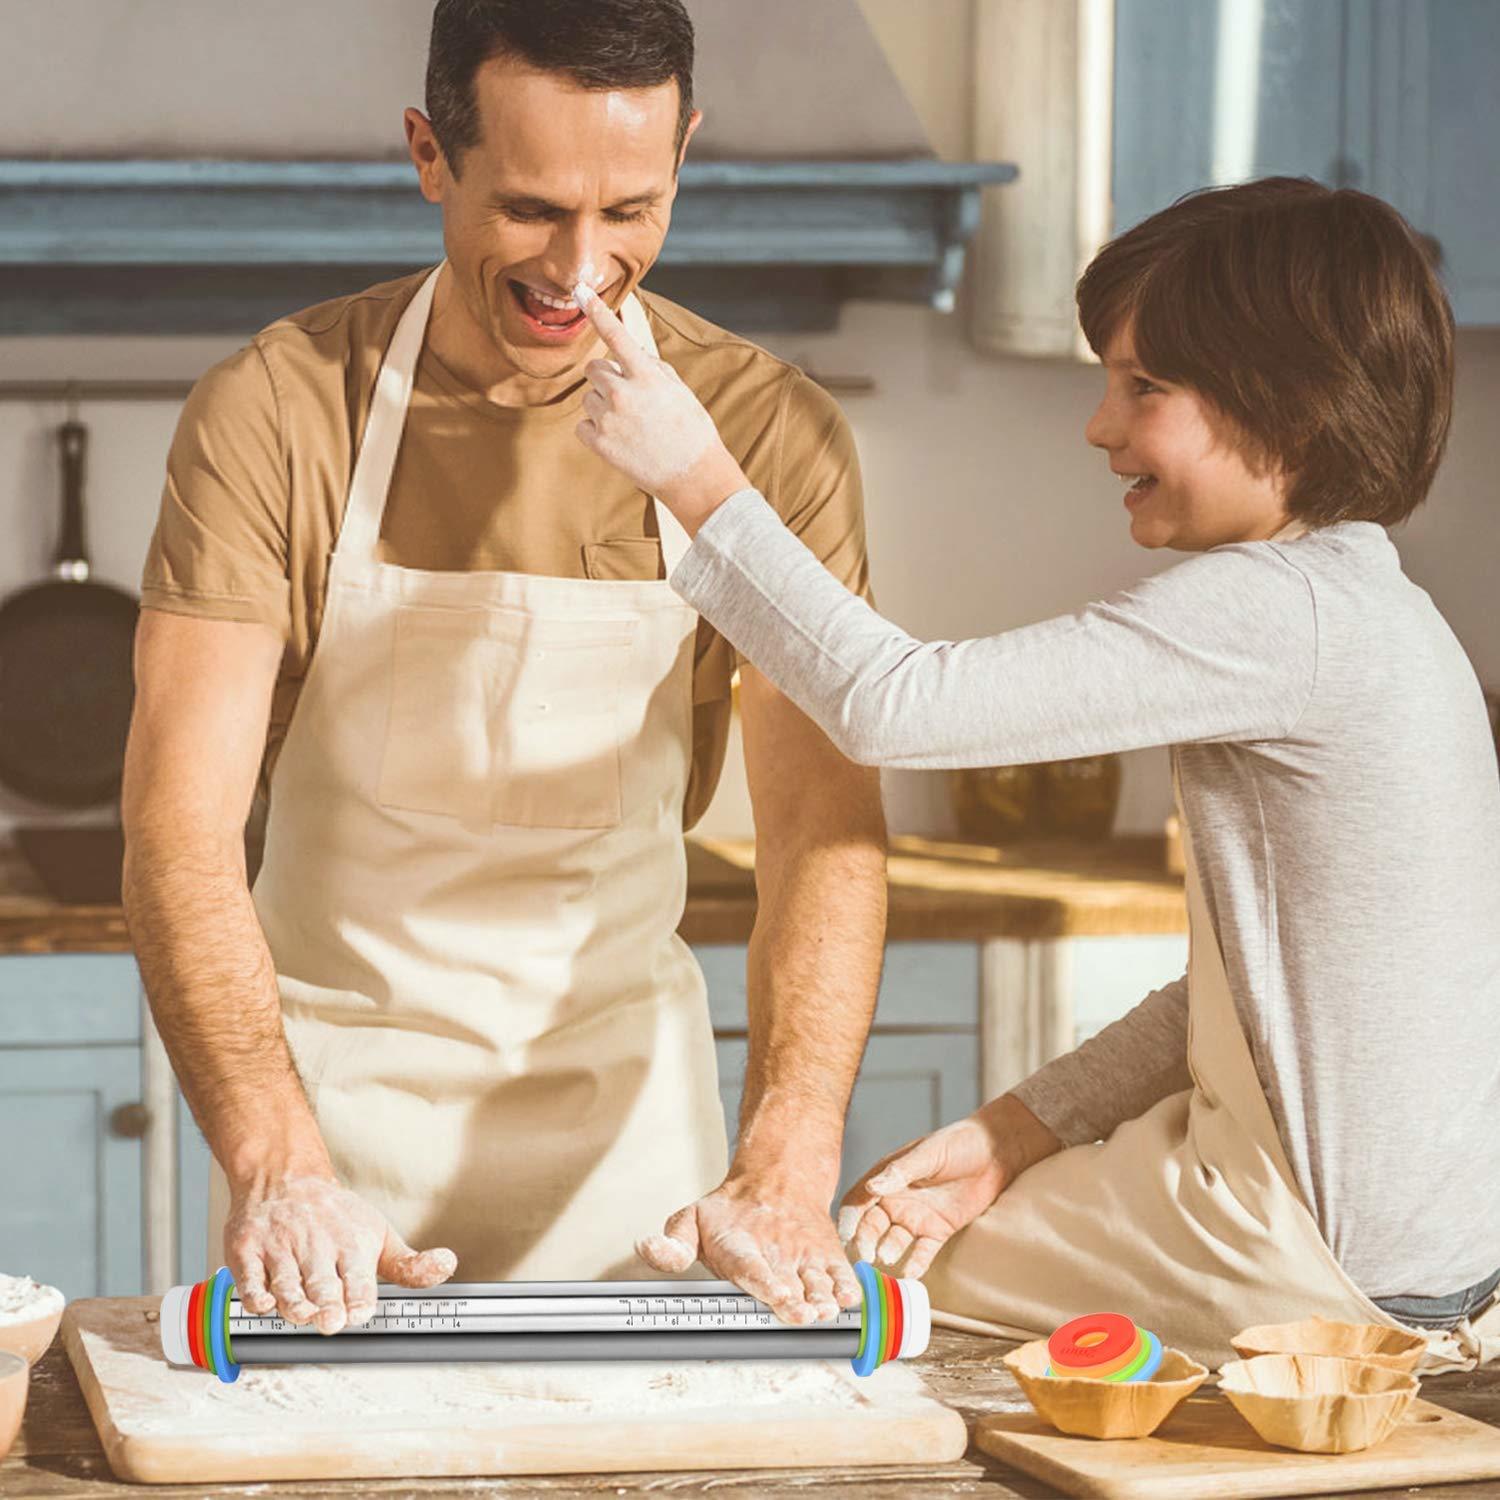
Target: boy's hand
(641, 418)
(915, 1200)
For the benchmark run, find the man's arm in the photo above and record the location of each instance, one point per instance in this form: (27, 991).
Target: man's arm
(815, 954)
(814, 968)
(203, 693)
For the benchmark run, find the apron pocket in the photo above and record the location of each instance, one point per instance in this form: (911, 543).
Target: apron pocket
(500, 717)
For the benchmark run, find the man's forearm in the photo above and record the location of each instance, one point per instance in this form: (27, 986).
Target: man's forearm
(212, 988)
(813, 974)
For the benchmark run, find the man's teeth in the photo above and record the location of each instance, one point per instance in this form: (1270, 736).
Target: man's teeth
(558, 302)
(1132, 480)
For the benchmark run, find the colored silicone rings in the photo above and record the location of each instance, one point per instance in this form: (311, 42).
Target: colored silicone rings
(195, 1326)
(897, 1320)
(1092, 1340)
(1106, 1347)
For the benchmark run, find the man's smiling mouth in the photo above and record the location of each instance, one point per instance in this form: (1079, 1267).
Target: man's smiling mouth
(557, 315)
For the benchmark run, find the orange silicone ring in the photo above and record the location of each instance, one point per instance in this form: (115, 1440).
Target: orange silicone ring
(896, 1326)
(1108, 1335)
(1133, 1356)
(195, 1327)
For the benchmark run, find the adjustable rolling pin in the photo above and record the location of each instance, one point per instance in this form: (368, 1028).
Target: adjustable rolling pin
(207, 1326)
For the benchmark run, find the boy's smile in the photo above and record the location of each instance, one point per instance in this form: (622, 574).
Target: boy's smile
(1189, 486)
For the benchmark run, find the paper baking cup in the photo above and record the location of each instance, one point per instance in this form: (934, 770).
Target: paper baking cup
(1104, 1408)
(1369, 1343)
(1316, 1403)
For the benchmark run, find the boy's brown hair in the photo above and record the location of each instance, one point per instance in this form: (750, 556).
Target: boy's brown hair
(1310, 318)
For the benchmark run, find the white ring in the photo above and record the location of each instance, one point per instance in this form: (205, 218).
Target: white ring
(916, 1330)
(173, 1326)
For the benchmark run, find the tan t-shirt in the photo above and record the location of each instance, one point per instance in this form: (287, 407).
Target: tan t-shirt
(259, 472)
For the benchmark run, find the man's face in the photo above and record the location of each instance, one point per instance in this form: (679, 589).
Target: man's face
(564, 184)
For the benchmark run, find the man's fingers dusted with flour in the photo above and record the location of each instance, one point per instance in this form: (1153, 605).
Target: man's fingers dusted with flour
(640, 417)
(310, 1250)
(783, 1253)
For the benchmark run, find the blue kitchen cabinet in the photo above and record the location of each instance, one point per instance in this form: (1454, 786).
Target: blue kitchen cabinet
(1396, 97)
(72, 1119)
(193, 1161)
(1455, 160)
(921, 1065)
(908, 1086)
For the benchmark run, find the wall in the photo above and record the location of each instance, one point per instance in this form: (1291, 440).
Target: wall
(986, 508)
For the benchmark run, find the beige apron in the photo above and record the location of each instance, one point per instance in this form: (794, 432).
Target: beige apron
(1187, 1218)
(473, 877)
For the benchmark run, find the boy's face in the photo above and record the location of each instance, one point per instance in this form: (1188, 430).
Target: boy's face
(1189, 488)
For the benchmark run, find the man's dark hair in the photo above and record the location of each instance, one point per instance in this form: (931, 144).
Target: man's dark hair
(1311, 318)
(599, 44)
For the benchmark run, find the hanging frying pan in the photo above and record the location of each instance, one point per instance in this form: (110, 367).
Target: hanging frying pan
(66, 685)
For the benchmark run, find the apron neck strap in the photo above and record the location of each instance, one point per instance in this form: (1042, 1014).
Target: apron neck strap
(376, 461)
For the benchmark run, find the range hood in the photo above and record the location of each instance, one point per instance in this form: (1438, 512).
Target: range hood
(138, 202)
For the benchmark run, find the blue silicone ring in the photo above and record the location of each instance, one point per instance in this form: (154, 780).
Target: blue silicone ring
(1153, 1359)
(224, 1367)
(872, 1331)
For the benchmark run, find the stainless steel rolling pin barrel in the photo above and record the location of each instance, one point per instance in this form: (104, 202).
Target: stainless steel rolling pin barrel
(207, 1326)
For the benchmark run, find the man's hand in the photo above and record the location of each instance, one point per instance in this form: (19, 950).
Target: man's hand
(311, 1250)
(913, 1201)
(644, 420)
(782, 1250)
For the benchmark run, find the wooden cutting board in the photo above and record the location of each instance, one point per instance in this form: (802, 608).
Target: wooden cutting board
(1207, 1448)
(164, 1425)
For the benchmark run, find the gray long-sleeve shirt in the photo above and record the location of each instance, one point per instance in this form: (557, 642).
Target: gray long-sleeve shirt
(1339, 783)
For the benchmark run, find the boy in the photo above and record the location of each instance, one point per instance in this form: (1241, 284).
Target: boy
(1277, 1134)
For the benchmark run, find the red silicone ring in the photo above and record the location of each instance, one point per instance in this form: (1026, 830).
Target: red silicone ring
(1109, 1336)
(898, 1321)
(1132, 1356)
(195, 1327)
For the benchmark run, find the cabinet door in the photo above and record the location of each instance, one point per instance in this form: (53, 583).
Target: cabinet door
(1459, 162)
(908, 1085)
(1395, 97)
(1218, 93)
(926, 986)
(193, 1161)
(1112, 975)
(70, 1175)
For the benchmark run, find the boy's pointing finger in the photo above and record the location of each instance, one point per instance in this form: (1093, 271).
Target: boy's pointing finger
(616, 336)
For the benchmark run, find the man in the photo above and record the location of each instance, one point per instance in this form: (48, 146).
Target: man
(454, 1025)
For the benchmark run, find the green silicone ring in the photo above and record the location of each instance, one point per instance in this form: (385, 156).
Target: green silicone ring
(1129, 1371)
(204, 1317)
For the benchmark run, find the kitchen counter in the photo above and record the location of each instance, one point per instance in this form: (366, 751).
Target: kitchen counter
(59, 1454)
(939, 891)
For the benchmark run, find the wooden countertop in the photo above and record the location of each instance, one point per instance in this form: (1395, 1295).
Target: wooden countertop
(943, 890)
(58, 1453)
(939, 891)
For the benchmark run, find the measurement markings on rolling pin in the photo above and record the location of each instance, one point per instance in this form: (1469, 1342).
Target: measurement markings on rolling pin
(540, 1315)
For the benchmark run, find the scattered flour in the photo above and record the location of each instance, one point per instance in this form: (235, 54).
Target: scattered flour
(151, 1397)
(22, 1299)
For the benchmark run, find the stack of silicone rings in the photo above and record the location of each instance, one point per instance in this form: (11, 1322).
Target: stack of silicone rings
(886, 1330)
(198, 1324)
(195, 1323)
(1104, 1346)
